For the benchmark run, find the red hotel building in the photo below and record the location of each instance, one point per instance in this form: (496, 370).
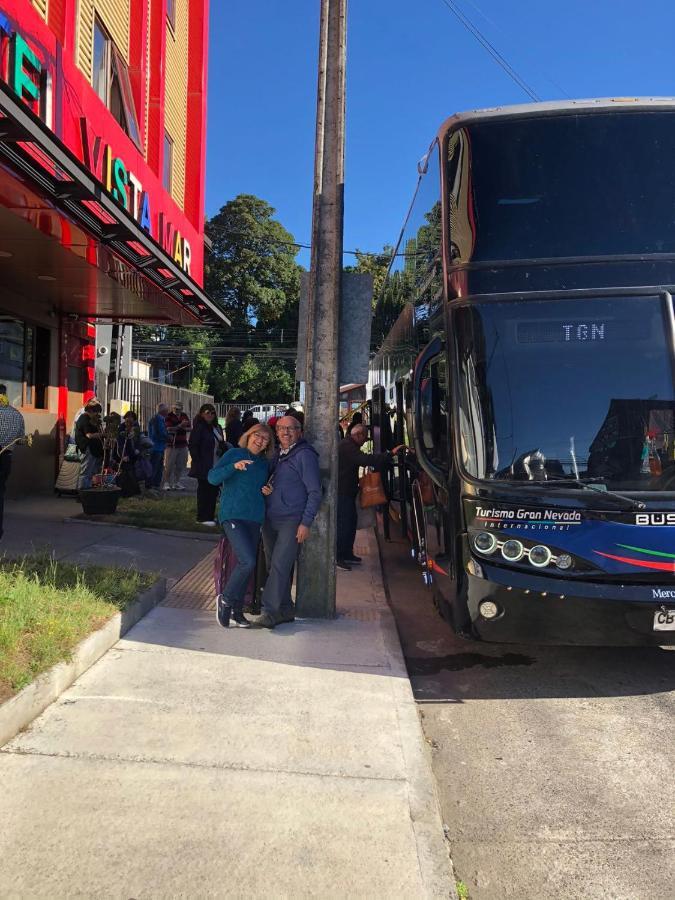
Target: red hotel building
(102, 156)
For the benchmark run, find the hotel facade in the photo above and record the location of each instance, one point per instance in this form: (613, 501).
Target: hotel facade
(102, 157)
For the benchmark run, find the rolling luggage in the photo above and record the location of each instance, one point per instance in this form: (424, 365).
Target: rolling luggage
(225, 561)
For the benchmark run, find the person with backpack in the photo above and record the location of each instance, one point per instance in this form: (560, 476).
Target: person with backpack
(159, 435)
(243, 473)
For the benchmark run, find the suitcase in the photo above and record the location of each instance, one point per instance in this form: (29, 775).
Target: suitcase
(223, 564)
(66, 483)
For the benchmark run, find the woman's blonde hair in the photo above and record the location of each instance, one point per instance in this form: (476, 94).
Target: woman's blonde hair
(259, 428)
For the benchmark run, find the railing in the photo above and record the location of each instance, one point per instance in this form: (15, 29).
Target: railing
(143, 397)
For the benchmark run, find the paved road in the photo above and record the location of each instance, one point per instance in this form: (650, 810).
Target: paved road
(555, 766)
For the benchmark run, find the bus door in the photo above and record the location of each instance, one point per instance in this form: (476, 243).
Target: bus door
(432, 465)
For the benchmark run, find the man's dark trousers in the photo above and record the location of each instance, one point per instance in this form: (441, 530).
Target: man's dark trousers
(281, 551)
(5, 469)
(346, 526)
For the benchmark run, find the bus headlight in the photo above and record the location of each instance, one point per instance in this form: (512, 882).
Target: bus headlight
(564, 561)
(488, 609)
(485, 542)
(540, 556)
(512, 550)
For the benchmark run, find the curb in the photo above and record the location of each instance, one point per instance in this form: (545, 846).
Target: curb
(20, 710)
(190, 535)
(433, 851)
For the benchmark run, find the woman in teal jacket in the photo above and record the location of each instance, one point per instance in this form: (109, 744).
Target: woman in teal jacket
(243, 473)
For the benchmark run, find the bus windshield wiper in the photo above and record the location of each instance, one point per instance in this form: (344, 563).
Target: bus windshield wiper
(620, 499)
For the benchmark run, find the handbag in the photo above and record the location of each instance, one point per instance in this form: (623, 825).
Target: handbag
(426, 489)
(371, 490)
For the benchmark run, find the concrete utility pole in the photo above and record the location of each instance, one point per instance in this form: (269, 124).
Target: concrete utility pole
(316, 574)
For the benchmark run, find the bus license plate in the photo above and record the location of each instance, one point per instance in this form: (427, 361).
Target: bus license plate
(664, 620)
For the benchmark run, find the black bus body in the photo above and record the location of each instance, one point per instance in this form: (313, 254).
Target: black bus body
(529, 361)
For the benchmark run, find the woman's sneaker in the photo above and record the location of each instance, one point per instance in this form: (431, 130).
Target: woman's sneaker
(223, 611)
(239, 620)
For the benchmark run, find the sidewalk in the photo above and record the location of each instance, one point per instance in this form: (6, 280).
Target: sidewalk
(194, 761)
(36, 523)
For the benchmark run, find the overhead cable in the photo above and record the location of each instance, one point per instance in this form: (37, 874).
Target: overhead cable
(491, 49)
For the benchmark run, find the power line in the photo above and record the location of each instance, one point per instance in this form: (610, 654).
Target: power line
(491, 49)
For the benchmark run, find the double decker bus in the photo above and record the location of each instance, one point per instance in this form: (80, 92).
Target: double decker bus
(529, 359)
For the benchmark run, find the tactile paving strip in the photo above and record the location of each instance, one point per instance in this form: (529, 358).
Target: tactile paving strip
(194, 590)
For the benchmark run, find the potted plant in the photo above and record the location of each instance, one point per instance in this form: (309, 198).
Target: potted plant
(102, 497)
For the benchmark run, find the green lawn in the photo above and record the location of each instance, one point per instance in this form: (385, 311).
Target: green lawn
(47, 607)
(165, 512)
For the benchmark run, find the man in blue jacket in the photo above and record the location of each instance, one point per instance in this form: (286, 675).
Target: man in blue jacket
(159, 435)
(290, 511)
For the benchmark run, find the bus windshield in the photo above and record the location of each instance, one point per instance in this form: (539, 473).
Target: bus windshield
(567, 390)
(589, 184)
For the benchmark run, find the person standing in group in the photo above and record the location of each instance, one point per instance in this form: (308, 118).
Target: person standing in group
(357, 419)
(176, 454)
(243, 472)
(207, 444)
(290, 511)
(249, 422)
(350, 459)
(159, 436)
(89, 441)
(233, 426)
(12, 429)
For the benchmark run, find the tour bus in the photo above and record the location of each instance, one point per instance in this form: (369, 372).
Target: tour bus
(528, 359)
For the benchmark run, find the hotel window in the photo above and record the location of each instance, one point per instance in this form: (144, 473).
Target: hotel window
(171, 12)
(24, 363)
(110, 79)
(167, 179)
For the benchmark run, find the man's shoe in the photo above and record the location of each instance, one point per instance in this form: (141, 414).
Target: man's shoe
(223, 611)
(167, 487)
(262, 621)
(342, 564)
(353, 560)
(284, 616)
(239, 620)
(178, 487)
(209, 522)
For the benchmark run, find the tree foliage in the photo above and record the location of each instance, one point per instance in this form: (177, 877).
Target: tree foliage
(251, 273)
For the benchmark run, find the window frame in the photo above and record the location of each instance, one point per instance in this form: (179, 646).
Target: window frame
(168, 144)
(29, 363)
(116, 76)
(171, 13)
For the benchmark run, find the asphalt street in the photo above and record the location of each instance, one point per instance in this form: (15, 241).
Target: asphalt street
(555, 765)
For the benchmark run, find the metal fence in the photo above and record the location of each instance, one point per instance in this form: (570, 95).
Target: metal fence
(144, 396)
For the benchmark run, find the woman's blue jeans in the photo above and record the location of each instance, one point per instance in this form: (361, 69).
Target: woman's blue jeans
(244, 537)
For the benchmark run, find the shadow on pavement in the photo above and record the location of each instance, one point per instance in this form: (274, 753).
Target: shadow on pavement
(446, 668)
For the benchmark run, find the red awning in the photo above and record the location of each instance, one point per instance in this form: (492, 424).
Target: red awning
(65, 242)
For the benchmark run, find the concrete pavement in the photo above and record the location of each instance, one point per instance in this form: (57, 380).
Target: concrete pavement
(36, 524)
(194, 761)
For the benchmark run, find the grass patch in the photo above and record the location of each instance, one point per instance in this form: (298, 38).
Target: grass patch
(166, 513)
(462, 891)
(48, 607)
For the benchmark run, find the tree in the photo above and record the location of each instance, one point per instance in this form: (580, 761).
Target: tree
(252, 274)
(375, 264)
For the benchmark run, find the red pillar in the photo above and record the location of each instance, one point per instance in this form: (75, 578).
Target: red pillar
(195, 161)
(138, 36)
(155, 155)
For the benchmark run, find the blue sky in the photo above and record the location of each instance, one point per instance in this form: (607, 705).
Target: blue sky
(410, 65)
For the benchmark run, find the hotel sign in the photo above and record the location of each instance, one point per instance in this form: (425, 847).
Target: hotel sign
(31, 80)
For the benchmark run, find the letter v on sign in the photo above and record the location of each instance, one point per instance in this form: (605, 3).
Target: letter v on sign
(91, 150)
